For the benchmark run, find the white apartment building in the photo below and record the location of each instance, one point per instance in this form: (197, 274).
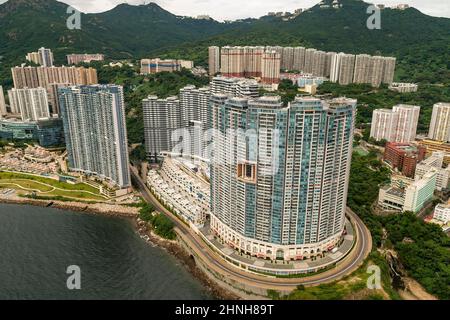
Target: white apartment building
(181, 190)
(435, 162)
(161, 118)
(412, 197)
(384, 125)
(442, 213)
(408, 120)
(440, 123)
(214, 60)
(32, 104)
(237, 87)
(95, 132)
(396, 125)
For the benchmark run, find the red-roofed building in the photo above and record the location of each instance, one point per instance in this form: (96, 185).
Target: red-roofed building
(404, 157)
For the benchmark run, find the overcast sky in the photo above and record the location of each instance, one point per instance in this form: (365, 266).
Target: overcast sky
(235, 9)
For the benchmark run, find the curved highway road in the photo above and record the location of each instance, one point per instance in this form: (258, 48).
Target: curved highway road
(215, 262)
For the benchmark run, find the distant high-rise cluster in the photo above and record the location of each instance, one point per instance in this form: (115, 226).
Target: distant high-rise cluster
(188, 111)
(95, 132)
(440, 123)
(51, 77)
(262, 62)
(396, 125)
(262, 201)
(150, 66)
(258, 62)
(35, 77)
(31, 103)
(84, 57)
(43, 57)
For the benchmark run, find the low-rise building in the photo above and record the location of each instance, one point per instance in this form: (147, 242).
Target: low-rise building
(403, 87)
(84, 57)
(442, 213)
(434, 146)
(436, 161)
(47, 132)
(404, 157)
(179, 188)
(150, 66)
(413, 197)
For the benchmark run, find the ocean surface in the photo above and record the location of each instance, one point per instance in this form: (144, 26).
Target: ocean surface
(37, 245)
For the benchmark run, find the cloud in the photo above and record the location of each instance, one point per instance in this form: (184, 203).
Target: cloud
(236, 9)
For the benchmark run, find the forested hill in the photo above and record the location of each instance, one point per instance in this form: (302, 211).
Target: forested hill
(420, 42)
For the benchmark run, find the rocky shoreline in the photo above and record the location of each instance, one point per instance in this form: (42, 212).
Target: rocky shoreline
(172, 247)
(97, 208)
(177, 251)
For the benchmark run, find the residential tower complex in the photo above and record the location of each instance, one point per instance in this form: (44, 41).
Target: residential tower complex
(32, 104)
(265, 62)
(95, 132)
(440, 123)
(396, 125)
(279, 190)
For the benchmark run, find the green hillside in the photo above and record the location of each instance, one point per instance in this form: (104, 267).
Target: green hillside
(420, 42)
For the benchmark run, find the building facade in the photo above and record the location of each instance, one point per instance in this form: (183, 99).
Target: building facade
(279, 191)
(161, 118)
(236, 87)
(404, 157)
(442, 212)
(214, 60)
(408, 120)
(339, 67)
(84, 58)
(151, 66)
(412, 197)
(47, 132)
(384, 125)
(440, 123)
(403, 87)
(43, 57)
(31, 103)
(435, 162)
(396, 125)
(95, 132)
(35, 77)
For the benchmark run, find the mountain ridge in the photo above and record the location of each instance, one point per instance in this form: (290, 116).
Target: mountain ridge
(420, 42)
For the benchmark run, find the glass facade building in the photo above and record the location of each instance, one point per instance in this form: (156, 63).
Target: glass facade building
(47, 132)
(279, 175)
(95, 131)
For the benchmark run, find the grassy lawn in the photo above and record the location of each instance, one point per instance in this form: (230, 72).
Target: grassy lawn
(75, 194)
(29, 182)
(26, 184)
(54, 183)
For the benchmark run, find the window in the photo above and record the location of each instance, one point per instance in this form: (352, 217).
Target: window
(246, 172)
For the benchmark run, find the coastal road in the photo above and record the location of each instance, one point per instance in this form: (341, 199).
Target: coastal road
(349, 264)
